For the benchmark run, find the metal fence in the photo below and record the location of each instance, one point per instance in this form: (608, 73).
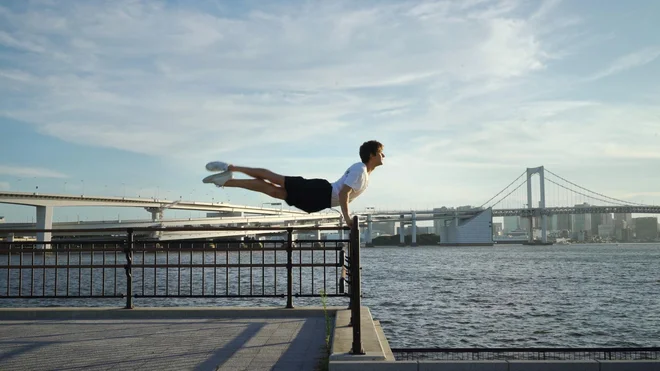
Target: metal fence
(533, 354)
(128, 266)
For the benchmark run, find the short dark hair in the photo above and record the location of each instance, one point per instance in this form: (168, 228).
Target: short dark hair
(369, 148)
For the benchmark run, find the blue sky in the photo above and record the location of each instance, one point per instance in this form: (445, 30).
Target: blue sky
(134, 97)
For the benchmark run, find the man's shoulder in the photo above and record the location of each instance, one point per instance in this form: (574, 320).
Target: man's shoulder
(358, 166)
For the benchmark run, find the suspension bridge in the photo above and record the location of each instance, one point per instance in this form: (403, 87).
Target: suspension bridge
(473, 225)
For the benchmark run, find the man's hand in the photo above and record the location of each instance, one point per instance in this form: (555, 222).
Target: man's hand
(349, 222)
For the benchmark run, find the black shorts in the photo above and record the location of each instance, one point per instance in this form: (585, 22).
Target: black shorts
(309, 195)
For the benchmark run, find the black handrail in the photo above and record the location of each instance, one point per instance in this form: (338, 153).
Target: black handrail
(532, 353)
(129, 269)
(356, 299)
(39, 264)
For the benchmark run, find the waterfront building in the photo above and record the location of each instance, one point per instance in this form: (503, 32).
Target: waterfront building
(510, 223)
(596, 221)
(476, 230)
(646, 228)
(497, 229)
(627, 217)
(384, 228)
(564, 222)
(581, 222)
(606, 231)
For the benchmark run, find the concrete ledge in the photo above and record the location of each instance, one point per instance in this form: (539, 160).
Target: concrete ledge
(62, 313)
(373, 366)
(463, 366)
(342, 339)
(554, 366)
(640, 365)
(389, 356)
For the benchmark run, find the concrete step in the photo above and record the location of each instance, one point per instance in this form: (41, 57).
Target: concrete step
(372, 344)
(389, 356)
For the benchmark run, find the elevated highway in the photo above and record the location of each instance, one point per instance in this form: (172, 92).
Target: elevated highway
(55, 200)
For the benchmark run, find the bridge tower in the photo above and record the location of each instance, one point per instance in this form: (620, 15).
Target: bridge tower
(402, 235)
(370, 230)
(544, 222)
(414, 229)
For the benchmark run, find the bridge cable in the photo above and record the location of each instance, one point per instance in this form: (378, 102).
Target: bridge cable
(508, 194)
(582, 194)
(505, 188)
(602, 195)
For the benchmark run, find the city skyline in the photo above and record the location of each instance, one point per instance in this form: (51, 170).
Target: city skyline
(134, 97)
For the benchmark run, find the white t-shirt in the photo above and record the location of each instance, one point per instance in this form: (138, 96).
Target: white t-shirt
(355, 177)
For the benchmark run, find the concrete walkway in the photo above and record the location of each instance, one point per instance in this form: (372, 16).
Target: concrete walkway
(162, 340)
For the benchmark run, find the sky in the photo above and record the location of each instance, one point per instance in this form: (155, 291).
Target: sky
(133, 97)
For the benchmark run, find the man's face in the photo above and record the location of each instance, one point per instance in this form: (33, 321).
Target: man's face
(378, 157)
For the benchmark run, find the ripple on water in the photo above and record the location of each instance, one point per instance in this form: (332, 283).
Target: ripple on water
(586, 295)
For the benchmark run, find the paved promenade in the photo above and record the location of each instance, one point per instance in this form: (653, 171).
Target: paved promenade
(175, 340)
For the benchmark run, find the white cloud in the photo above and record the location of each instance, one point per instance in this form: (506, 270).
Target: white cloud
(30, 172)
(453, 89)
(147, 77)
(4, 186)
(627, 62)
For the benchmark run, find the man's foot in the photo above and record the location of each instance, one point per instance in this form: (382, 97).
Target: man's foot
(216, 166)
(219, 179)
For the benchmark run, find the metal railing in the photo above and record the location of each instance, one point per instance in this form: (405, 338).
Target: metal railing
(532, 354)
(355, 287)
(125, 265)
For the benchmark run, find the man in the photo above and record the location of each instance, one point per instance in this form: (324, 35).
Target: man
(309, 195)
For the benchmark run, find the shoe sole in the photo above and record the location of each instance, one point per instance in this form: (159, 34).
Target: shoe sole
(216, 170)
(209, 179)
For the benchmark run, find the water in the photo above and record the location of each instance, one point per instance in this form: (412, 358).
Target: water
(503, 296)
(515, 296)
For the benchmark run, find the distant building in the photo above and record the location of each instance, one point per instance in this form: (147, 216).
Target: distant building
(510, 223)
(420, 230)
(596, 220)
(605, 231)
(564, 222)
(476, 230)
(625, 217)
(524, 224)
(497, 229)
(2, 219)
(646, 228)
(581, 222)
(384, 228)
(553, 222)
(622, 231)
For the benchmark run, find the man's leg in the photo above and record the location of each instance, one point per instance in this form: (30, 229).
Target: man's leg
(259, 174)
(258, 185)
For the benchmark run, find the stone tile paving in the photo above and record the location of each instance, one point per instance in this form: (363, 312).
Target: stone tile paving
(163, 344)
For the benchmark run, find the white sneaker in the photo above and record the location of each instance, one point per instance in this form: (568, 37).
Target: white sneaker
(217, 166)
(219, 179)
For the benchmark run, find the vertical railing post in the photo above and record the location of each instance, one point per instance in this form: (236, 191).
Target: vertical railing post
(356, 301)
(289, 268)
(128, 250)
(342, 279)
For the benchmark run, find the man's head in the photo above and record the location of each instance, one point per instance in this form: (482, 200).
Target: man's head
(372, 151)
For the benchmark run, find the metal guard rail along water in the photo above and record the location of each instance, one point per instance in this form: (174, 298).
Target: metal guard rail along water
(528, 354)
(79, 268)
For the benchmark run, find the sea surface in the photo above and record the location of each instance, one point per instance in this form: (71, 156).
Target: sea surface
(516, 296)
(582, 295)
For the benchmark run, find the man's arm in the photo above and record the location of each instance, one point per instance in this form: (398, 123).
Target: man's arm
(343, 202)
